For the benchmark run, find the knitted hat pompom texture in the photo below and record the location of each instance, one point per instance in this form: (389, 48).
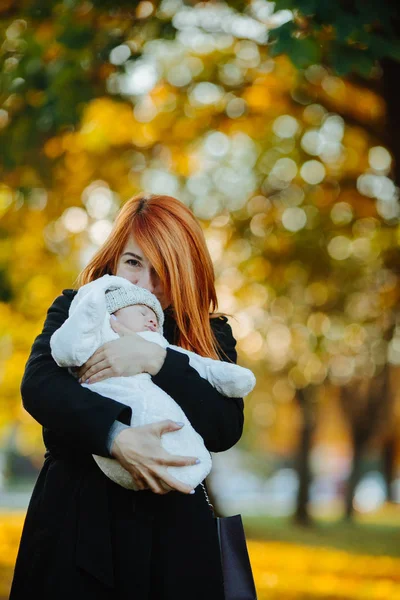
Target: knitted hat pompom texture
(120, 297)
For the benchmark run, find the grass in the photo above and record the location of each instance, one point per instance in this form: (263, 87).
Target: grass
(332, 560)
(358, 537)
(287, 571)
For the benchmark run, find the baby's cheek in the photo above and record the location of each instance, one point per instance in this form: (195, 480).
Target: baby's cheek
(134, 323)
(122, 317)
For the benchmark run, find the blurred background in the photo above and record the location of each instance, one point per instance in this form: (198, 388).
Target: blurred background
(278, 123)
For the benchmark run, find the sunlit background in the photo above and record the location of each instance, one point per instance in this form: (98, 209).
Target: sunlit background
(277, 123)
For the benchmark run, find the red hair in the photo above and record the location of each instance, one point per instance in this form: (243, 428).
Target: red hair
(172, 240)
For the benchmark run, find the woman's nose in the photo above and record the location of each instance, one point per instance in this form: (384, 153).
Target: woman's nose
(145, 281)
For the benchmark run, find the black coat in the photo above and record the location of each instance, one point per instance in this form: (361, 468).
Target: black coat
(85, 537)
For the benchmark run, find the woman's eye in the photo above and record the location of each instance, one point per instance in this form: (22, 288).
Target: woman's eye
(133, 262)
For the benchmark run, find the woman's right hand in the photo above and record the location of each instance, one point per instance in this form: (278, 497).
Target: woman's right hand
(139, 451)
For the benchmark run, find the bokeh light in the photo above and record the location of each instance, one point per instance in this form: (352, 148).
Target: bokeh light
(293, 179)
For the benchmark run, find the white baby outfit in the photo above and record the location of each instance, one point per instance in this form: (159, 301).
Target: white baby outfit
(88, 327)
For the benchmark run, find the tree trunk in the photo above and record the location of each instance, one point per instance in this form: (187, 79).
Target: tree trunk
(354, 477)
(391, 74)
(389, 466)
(302, 515)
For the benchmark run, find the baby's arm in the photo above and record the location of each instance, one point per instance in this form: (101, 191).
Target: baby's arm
(229, 379)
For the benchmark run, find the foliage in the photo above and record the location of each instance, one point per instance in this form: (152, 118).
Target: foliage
(54, 61)
(350, 37)
(287, 171)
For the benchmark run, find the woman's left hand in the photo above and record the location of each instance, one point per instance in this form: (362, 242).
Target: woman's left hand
(129, 355)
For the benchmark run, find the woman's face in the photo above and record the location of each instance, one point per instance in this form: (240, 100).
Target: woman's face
(135, 267)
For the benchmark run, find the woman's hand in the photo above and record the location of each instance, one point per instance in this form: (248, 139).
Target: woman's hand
(129, 355)
(139, 451)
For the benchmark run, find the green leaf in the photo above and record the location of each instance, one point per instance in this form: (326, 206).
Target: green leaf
(39, 9)
(379, 46)
(393, 50)
(376, 11)
(282, 45)
(285, 5)
(364, 64)
(327, 12)
(284, 31)
(346, 59)
(305, 52)
(345, 25)
(307, 7)
(340, 59)
(281, 39)
(76, 37)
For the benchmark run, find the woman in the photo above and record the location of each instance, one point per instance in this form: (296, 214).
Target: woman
(84, 536)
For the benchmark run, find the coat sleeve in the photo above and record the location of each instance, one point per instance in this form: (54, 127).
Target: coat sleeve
(56, 400)
(217, 418)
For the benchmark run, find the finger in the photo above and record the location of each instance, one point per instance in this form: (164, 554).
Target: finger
(137, 477)
(166, 486)
(94, 359)
(155, 484)
(100, 366)
(139, 482)
(148, 481)
(165, 426)
(104, 374)
(175, 484)
(177, 461)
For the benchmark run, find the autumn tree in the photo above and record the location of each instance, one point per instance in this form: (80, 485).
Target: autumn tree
(287, 170)
(362, 42)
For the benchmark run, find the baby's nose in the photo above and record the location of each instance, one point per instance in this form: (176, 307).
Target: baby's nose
(152, 325)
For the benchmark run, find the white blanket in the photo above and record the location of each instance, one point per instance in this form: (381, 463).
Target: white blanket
(88, 327)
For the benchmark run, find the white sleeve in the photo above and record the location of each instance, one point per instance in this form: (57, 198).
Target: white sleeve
(80, 335)
(229, 379)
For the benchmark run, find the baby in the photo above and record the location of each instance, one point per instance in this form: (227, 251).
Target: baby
(137, 317)
(88, 327)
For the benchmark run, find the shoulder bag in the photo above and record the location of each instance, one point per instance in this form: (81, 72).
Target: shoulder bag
(236, 566)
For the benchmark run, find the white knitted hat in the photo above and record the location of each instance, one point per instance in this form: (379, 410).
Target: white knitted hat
(119, 297)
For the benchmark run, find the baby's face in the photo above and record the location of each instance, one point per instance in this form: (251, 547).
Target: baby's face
(138, 318)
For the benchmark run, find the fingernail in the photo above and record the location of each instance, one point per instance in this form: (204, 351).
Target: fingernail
(80, 379)
(198, 461)
(180, 423)
(114, 317)
(192, 492)
(87, 380)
